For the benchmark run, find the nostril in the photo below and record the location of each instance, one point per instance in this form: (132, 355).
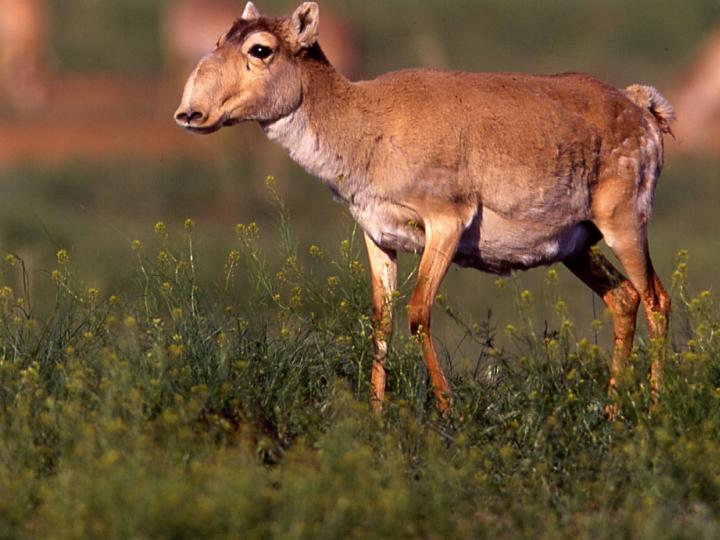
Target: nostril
(195, 115)
(189, 117)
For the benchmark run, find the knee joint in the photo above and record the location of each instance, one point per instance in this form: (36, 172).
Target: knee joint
(624, 300)
(658, 303)
(419, 318)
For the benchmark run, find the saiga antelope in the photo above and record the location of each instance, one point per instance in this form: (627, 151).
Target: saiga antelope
(495, 171)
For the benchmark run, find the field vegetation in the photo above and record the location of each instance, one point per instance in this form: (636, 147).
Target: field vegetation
(187, 379)
(186, 407)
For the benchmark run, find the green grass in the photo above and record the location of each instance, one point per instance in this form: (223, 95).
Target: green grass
(187, 407)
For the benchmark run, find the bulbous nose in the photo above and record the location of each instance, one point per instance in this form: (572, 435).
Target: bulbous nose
(188, 116)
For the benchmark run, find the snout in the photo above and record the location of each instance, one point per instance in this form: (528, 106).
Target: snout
(197, 111)
(197, 120)
(189, 116)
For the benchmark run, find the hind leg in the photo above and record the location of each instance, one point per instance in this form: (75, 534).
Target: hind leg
(657, 310)
(655, 300)
(624, 229)
(622, 300)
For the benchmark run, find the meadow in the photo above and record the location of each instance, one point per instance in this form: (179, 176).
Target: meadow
(186, 408)
(168, 372)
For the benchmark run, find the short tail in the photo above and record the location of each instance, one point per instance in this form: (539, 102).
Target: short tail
(649, 98)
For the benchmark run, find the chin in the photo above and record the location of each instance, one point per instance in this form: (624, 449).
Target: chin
(204, 130)
(207, 129)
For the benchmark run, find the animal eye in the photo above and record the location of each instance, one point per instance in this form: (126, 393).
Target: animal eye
(260, 51)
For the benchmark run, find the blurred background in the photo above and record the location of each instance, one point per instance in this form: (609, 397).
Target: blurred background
(90, 157)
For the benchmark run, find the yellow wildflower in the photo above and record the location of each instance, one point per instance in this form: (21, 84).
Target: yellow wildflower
(62, 257)
(160, 228)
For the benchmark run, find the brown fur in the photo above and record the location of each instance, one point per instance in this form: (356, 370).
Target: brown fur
(497, 171)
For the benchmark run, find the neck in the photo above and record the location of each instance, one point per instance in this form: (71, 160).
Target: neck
(318, 134)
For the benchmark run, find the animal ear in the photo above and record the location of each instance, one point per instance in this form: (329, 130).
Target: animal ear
(250, 13)
(305, 24)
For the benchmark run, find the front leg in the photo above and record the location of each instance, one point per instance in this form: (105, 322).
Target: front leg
(383, 268)
(442, 234)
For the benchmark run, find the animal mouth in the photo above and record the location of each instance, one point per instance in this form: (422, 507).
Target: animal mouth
(210, 127)
(203, 130)
(230, 122)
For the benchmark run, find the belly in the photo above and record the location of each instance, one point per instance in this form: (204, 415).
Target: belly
(499, 245)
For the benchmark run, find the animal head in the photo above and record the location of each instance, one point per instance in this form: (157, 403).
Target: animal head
(253, 74)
